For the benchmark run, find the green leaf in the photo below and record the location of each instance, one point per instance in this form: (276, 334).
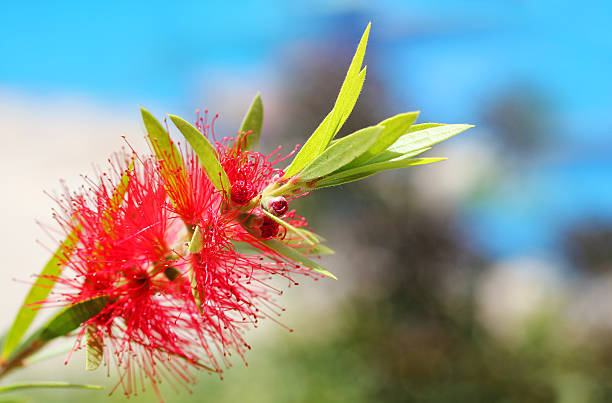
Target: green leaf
(159, 137)
(117, 198)
(72, 317)
(209, 160)
(253, 122)
(347, 97)
(395, 127)
(390, 155)
(64, 322)
(245, 248)
(94, 351)
(426, 138)
(387, 155)
(308, 249)
(341, 153)
(18, 399)
(364, 171)
(195, 291)
(39, 291)
(121, 189)
(423, 126)
(38, 385)
(293, 254)
(197, 242)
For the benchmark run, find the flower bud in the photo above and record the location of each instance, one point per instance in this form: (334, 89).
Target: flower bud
(277, 206)
(262, 226)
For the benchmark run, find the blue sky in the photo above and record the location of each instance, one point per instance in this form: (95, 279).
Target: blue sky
(450, 56)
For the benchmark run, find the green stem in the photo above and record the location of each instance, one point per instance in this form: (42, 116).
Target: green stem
(18, 386)
(18, 360)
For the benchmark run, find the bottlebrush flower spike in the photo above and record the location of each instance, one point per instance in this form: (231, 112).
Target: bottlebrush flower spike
(122, 253)
(131, 250)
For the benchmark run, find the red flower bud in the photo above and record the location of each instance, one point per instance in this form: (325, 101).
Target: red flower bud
(263, 226)
(277, 206)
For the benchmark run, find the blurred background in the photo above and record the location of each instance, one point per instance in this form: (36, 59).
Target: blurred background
(484, 278)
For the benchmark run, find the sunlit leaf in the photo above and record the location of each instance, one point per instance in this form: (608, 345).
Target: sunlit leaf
(420, 139)
(364, 171)
(209, 159)
(391, 155)
(347, 97)
(395, 127)
(296, 256)
(252, 125)
(341, 153)
(197, 242)
(162, 145)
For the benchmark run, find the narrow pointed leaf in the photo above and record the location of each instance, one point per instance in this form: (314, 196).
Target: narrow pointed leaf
(72, 317)
(364, 171)
(341, 153)
(294, 255)
(46, 385)
(395, 127)
(197, 242)
(39, 292)
(426, 138)
(94, 351)
(121, 189)
(423, 126)
(253, 122)
(195, 292)
(61, 324)
(117, 197)
(319, 250)
(391, 155)
(163, 147)
(308, 249)
(348, 100)
(206, 153)
(347, 97)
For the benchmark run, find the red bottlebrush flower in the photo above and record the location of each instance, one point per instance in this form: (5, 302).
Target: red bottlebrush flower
(123, 253)
(131, 250)
(242, 192)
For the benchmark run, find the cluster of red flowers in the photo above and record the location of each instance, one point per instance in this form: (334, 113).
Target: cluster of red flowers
(171, 309)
